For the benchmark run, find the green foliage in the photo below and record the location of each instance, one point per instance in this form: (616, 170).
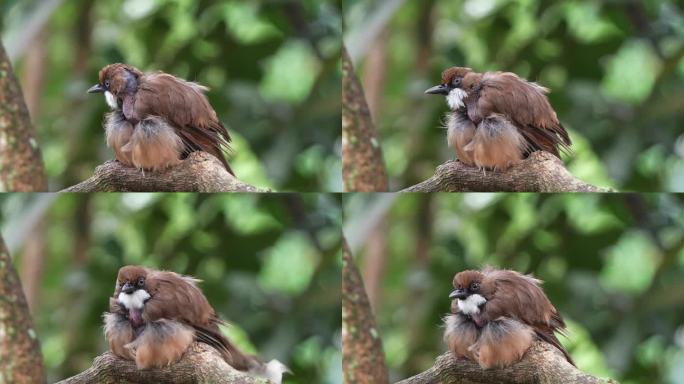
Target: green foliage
(615, 70)
(268, 265)
(266, 64)
(611, 264)
(635, 60)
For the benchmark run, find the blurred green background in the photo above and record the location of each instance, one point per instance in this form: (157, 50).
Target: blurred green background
(612, 264)
(615, 69)
(272, 67)
(269, 265)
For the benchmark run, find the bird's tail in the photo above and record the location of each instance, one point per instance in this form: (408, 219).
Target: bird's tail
(553, 340)
(273, 370)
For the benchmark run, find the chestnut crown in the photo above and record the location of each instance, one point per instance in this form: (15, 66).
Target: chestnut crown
(451, 78)
(130, 278)
(471, 282)
(117, 78)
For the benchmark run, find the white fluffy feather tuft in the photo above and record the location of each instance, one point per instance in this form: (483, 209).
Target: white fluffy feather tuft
(273, 371)
(455, 98)
(135, 300)
(111, 100)
(471, 305)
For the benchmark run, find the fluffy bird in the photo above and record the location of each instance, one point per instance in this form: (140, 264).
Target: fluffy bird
(154, 316)
(157, 119)
(496, 315)
(497, 119)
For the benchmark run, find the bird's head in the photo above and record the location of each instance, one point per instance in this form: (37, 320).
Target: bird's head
(471, 292)
(114, 81)
(453, 86)
(130, 288)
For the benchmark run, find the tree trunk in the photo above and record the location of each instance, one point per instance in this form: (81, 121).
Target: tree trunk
(363, 361)
(20, 354)
(21, 165)
(363, 169)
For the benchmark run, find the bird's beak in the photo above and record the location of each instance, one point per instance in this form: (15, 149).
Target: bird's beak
(457, 294)
(128, 288)
(97, 88)
(441, 89)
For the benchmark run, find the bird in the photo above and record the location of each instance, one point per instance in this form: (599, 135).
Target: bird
(154, 316)
(157, 119)
(496, 315)
(497, 118)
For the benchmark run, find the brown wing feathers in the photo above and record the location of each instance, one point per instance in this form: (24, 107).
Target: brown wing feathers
(526, 104)
(173, 294)
(186, 107)
(520, 296)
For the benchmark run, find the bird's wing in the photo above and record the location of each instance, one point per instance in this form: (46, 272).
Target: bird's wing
(176, 297)
(185, 106)
(524, 103)
(520, 296)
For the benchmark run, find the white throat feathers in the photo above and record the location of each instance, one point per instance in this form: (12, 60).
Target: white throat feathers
(111, 100)
(455, 98)
(135, 300)
(471, 305)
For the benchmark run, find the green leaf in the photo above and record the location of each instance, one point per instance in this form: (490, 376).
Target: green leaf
(289, 265)
(245, 24)
(631, 263)
(290, 73)
(631, 73)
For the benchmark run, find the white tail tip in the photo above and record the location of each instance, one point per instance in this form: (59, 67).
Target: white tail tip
(273, 371)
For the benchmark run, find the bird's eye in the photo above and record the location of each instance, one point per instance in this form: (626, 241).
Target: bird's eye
(141, 281)
(474, 286)
(456, 81)
(107, 83)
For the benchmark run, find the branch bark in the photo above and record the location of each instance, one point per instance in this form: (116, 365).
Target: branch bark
(540, 172)
(363, 169)
(21, 165)
(199, 172)
(20, 354)
(542, 364)
(201, 364)
(363, 360)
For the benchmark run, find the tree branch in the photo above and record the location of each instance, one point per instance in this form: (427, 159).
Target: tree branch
(540, 172)
(199, 172)
(363, 169)
(363, 360)
(201, 364)
(542, 364)
(21, 165)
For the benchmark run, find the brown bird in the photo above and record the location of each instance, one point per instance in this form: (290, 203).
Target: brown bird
(497, 118)
(154, 316)
(497, 314)
(157, 119)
